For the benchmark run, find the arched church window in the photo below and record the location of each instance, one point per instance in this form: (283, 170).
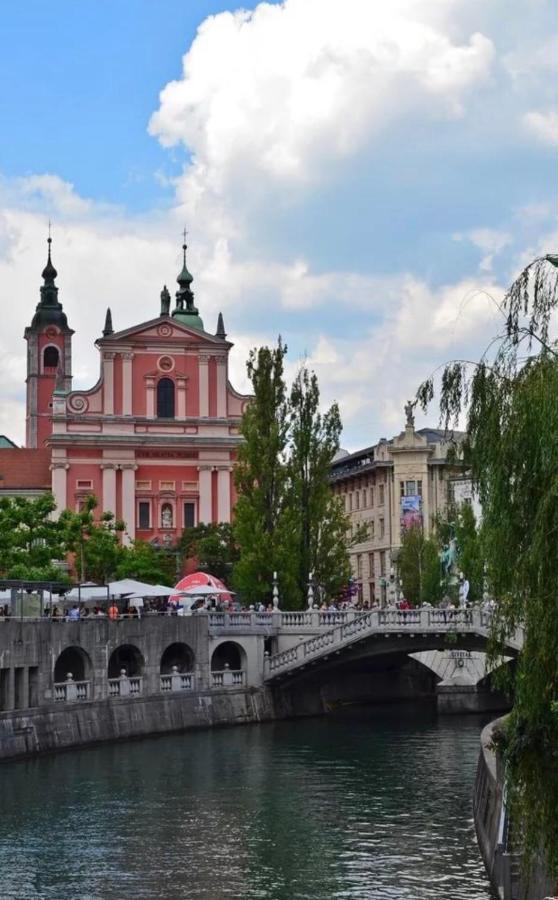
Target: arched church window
(165, 399)
(50, 358)
(166, 516)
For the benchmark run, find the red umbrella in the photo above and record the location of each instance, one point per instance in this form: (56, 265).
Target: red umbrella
(200, 579)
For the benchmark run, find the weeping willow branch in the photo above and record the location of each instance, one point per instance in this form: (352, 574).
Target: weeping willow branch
(510, 405)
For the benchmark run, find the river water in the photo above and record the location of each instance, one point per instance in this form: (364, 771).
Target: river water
(374, 804)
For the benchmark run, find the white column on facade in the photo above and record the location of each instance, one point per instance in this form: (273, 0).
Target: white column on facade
(108, 382)
(127, 383)
(150, 397)
(60, 485)
(181, 398)
(204, 384)
(109, 487)
(222, 389)
(224, 494)
(206, 498)
(129, 500)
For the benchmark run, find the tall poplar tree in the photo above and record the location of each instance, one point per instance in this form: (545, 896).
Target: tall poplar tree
(321, 524)
(262, 514)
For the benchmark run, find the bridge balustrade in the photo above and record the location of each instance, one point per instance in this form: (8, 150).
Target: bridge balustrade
(228, 678)
(125, 686)
(66, 691)
(177, 681)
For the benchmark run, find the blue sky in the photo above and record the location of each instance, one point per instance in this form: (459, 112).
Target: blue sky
(353, 175)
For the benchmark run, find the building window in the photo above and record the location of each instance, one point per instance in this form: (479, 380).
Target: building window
(382, 562)
(165, 399)
(189, 515)
(371, 529)
(402, 488)
(419, 488)
(357, 500)
(359, 565)
(166, 516)
(382, 528)
(381, 500)
(50, 358)
(371, 565)
(350, 502)
(371, 496)
(84, 484)
(144, 514)
(410, 488)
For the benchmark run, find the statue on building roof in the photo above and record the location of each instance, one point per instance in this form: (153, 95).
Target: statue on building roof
(410, 419)
(165, 301)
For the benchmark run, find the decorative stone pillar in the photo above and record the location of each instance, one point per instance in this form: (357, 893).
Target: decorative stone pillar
(127, 383)
(181, 397)
(223, 494)
(150, 397)
(60, 485)
(204, 384)
(221, 388)
(206, 497)
(129, 501)
(108, 383)
(109, 487)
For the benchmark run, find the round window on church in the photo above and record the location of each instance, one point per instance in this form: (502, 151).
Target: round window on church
(166, 364)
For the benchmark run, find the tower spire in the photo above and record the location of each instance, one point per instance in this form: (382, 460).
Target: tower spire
(185, 310)
(221, 333)
(108, 329)
(49, 309)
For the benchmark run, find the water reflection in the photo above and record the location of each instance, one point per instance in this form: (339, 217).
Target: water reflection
(368, 805)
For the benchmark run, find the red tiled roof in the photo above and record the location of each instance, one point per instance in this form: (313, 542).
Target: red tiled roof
(25, 468)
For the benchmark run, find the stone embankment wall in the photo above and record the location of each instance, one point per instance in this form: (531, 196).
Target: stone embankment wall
(493, 832)
(129, 679)
(43, 730)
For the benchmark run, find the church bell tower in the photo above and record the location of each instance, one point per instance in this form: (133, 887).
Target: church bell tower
(49, 358)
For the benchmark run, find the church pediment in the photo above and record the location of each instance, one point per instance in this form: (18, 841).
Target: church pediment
(163, 328)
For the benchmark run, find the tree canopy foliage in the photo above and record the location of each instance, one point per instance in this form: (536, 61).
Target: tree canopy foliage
(212, 546)
(510, 401)
(286, 518)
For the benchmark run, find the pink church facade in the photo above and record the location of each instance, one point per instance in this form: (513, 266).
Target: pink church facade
(155, 439)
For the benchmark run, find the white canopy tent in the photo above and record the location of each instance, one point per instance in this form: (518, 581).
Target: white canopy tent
(127, 587)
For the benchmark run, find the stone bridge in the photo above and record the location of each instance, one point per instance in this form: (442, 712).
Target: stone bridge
(212, 667)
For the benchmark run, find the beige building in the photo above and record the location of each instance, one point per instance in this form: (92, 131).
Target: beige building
(387, 486)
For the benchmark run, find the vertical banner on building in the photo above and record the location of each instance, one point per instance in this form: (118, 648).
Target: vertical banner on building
(411, 511)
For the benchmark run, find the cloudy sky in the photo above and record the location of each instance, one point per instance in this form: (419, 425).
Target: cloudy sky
(359, 176)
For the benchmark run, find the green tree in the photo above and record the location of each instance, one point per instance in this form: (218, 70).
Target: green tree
(95, 543)
(146, 563)
(419, 567)
(318, 518)
(30, 540)
(213, 547)
(262, 528)
(510, 399)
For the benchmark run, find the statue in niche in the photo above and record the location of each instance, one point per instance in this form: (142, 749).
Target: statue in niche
(165, 301)
(166, 516)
